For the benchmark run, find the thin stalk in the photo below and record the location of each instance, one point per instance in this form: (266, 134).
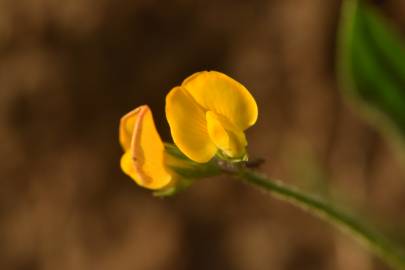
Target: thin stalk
(371, 239)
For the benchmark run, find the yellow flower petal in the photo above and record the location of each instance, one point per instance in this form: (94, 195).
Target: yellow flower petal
(144, 161)
(127, 165)
(188, 126)
(126, 129)
(225, 136)
(223, 95)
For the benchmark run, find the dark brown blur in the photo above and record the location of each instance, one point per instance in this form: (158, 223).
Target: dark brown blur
(70, 69)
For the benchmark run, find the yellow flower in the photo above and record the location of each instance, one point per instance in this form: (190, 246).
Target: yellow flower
(209, 112)
(144, 159)
(207, 115)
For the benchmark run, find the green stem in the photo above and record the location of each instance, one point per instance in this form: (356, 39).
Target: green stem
(373, 240)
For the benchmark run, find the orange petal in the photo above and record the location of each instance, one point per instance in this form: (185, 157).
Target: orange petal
(188, 126)
(219, 93)
(144, 160)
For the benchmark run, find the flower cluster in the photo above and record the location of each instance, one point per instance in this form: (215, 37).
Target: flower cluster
(207, 114)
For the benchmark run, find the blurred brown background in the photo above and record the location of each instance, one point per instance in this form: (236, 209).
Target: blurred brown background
(70, 69)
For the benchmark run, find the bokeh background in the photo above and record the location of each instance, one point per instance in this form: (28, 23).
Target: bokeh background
(70, 69)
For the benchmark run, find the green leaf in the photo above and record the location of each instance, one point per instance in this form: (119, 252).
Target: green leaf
(372, 66)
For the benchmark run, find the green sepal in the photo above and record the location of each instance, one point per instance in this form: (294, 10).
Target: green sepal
(222, 156)
(186, 171)
(172, 190)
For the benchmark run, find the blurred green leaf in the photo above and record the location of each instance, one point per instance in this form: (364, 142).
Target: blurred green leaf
(372, 66)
